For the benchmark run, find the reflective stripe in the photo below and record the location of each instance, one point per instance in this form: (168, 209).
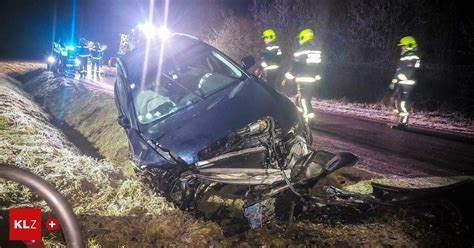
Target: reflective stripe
(402, 106)
(289, 76)
(297, 54)
(264, 64)
(405, 119)
(402, 76)
(271, 48)
(279, 52)
(306, 114)
(407, 82)
(394, 80)
(305, 109)
(83, 56)
(417, 64)
(313, 60)
(305, 79)
(270, 67)
(410, 57)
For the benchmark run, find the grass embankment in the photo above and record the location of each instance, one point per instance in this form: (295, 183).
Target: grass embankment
(113, 210)
(14, 68)
(82, 112)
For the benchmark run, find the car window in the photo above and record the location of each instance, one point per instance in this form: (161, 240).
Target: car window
(184, 80)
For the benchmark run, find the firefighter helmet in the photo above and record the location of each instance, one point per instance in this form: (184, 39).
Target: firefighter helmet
(269, 34)
(83, 41)
(305, 35)
(409, 42)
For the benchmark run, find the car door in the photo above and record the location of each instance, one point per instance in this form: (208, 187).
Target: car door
(142, 154)
(125, 120)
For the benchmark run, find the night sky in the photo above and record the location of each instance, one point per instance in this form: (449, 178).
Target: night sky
(27, 27)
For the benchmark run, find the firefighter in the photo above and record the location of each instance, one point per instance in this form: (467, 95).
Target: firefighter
(97, 53)
(64, 55)
(271, 57)
(83, 53)
(56, 56)
(306, 72)
(405, 79)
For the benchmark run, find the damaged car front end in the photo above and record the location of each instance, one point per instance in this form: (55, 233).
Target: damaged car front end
(195, 119)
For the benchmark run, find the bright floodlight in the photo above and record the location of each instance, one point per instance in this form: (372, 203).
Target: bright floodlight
(51, 59)
(147, 29)
(163, 33)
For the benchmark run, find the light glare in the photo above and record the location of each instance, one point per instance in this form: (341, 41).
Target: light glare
(164, 33)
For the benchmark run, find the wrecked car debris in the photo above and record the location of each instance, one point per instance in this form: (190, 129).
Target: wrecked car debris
(196, 120)
(195, 117)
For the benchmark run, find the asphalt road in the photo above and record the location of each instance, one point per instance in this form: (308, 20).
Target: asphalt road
(380, 149)
(391, 151)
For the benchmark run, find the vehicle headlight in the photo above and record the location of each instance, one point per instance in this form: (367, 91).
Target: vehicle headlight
(78, 62)
(51, 59)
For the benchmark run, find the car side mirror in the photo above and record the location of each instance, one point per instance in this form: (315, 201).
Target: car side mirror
(248, 62)
(123, 121)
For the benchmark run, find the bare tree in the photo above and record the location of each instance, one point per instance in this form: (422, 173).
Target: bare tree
(236, 37)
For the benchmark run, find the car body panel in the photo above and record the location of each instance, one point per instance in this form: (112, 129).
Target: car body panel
(190, 130)
(193, 129)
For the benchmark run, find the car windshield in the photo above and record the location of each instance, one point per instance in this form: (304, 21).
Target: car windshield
(184, 79)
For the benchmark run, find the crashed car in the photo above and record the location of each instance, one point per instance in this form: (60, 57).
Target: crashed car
(194, 118)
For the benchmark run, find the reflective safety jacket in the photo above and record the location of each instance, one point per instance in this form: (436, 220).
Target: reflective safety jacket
(83, 51)
(97, 53)
(271, 57)
(409, 63)
(64, 51)
(56, 48)
(306, 64)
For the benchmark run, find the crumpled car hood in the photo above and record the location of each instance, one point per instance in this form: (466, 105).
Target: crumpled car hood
(193, 129)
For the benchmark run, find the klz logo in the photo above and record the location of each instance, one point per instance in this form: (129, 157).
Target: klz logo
(25, 224)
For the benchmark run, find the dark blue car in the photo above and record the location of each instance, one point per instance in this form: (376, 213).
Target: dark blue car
(193, 116)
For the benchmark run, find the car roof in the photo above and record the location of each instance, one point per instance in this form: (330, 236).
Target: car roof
(133, 62)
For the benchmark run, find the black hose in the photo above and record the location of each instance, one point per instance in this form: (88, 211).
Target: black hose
(57, 202)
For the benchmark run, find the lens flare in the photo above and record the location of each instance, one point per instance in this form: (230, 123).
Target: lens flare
(164, 33)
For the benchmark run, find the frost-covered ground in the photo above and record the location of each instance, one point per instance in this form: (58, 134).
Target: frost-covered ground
(453, 122)
(11, 67)
(113, 210)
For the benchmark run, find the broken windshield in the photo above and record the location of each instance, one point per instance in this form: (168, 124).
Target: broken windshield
(185, 78)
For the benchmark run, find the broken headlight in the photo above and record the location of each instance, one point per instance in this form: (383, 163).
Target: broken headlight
(251, 135)
(255, 128)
